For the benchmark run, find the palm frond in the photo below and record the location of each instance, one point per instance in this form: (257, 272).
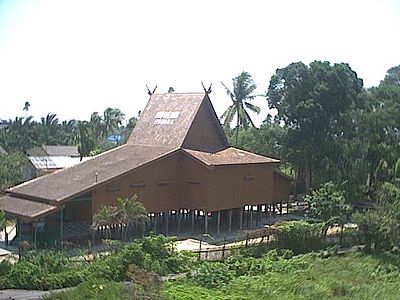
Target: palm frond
(252, 107)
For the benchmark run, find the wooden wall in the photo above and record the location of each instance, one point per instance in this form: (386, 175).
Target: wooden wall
(179, 181)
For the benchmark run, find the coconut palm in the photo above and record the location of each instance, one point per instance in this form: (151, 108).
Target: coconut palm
(243, 88)
(105, 216)
(131, 212)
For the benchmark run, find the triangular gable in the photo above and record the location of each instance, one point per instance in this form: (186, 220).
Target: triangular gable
(206, 133)
(166, 119)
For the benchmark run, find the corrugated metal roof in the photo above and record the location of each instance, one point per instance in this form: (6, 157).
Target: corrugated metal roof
(229, 156)
(25, 208)
(66, 183)
(166, 119)
(55, 162)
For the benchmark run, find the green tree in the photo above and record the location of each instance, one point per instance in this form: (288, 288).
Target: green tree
(315, 103)
(328, 204)
(243, 89)
(11, 166)
(381, 226)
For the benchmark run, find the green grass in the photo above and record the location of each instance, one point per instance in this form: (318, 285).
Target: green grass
(355, 276)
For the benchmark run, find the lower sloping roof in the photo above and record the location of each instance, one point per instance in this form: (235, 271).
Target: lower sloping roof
(69, 182)
(25, 208)
(229, 156)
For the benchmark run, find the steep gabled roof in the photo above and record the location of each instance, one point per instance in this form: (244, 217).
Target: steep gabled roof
(67, 183)
(229, 156)
(172, 119)
(166, 120)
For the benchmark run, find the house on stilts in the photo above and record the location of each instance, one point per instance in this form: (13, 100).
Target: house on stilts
(177, 160)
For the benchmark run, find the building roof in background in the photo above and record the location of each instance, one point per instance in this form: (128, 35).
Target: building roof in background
(229, 156)
(49, 150)
(55, 162)
(66, 183)
(166, 119)
(2, 151)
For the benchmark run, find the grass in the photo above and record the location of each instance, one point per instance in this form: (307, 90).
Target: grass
(355, 276)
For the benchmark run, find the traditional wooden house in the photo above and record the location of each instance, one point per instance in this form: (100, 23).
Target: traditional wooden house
(177, 160)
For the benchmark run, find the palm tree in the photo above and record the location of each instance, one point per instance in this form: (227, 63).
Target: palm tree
(131, 212)
(243, 88)
(105, 216)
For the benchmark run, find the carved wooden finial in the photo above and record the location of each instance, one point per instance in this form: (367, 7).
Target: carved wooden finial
(207, 91)
(151, 92)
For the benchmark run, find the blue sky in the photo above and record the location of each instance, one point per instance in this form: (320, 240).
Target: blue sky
(75, 57)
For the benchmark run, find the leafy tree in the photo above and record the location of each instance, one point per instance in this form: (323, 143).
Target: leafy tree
(11, 170)
(315, 103)
(328, 204)
(243, 89)
(381, 226)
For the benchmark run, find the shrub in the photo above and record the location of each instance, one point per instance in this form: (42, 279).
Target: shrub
(299, 236)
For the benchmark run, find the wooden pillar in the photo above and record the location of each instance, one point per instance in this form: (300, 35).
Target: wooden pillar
(230, 221)
(35, 235)
(179, 216)
(280, 208)
(19, 231)
(251, 216)
(192, 215)
(259, 208)
(155, 223)
(166, 222)
(218, 222)
(241, 218)
(61, 224)
(205, 222)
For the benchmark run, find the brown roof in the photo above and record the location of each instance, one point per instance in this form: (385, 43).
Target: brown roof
(229, 156)
(25, 208)
(48, 150)
(166, 119)
(66, 183)
(61, 150)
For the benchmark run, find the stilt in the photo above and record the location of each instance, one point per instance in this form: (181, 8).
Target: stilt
(241, 218)
(192, 215)
(166, 222)
(179, 216)
(280, 208)
(35, 235)
(155, 223)
(61, 225)
(251, 216)
(205, 223)
(230, 221)
(259, 207)
(218, 222)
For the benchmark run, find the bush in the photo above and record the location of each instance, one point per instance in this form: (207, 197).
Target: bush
(212, 274)
(299, 236)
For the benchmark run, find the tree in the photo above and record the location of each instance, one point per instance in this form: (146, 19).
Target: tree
(381, 226)
(315, 103)
(243, 89)
(86, 142)
(328, 204)
(131, 212)
(11, 170)
(26, 107)
(105, 216)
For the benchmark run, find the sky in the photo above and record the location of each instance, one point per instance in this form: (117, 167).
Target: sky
(75, 57)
